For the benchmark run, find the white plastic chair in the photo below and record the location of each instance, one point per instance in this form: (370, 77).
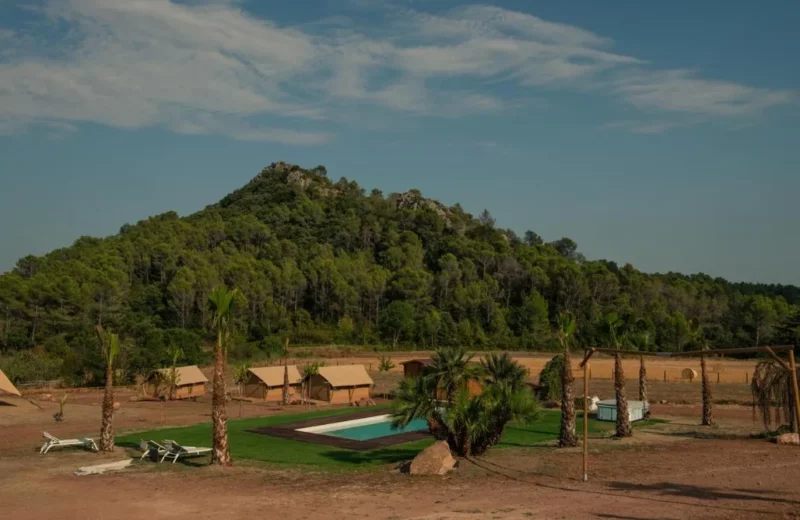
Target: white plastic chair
(150, 446)
(54, 442)
(176, 451)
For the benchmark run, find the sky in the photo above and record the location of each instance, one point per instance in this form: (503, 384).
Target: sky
(661, 134)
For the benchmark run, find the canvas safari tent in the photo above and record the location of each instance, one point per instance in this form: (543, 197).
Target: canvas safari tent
(7, 388)
(341, 384)
(266, 383)
(191, 383)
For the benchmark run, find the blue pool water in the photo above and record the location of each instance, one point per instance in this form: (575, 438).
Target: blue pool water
(373, 431)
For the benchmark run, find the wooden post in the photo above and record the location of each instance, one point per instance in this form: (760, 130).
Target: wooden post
(746, 377)
(665, 376)
(586, 422)
(717, 377)
(795, 391)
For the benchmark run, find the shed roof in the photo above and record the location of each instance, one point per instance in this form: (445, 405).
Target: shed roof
(346, 375)
(6, 386)
(273, 376)
(190, 375)
(422, 361)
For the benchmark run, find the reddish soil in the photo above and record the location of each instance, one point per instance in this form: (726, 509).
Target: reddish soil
(668, 471)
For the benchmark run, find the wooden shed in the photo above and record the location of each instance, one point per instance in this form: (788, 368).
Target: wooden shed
(191, 383)
(266, 383)
(341, 384)
(415, 367)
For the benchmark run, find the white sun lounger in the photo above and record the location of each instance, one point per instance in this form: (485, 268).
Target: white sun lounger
(53, 442)
(150, 446)
(176, 451)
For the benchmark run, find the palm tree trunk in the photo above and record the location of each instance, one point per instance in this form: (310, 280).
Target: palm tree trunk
(707, 417)
(241, 399)
(642, 380)
(220, 453)
(285, 394)
(107, 429)
(623, 419)
(567, 437)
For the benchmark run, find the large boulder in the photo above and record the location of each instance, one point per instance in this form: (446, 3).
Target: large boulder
(790, 439)
(436, 459)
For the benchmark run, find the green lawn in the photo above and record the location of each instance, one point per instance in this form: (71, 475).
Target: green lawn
(277, 451)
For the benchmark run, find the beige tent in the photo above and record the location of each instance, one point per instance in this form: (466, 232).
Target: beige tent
(191, 383)
(342, 384)
(266, 383)
(6, 386)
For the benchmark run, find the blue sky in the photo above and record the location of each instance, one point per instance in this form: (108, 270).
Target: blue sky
(661, 134)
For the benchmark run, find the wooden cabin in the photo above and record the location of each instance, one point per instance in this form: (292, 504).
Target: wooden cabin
(415, 367)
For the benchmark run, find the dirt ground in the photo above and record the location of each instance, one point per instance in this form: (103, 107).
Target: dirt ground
(675, 470)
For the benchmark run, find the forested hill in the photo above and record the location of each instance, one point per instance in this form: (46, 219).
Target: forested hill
(323, 262)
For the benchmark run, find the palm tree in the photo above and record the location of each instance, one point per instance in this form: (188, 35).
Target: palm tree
(309, 371)
(172, 377)
(615, 334)
(641, 342)
(240, 376)
(109, 343)
(385, 364)
(502, 369)
(221, 300)
(285, 393)
(470, 424)
(772, 387)
(450, 369)
(566, 330)
(698, 338)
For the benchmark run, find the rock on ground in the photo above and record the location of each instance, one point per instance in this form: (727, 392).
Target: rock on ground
(791, 439)
(436, 459)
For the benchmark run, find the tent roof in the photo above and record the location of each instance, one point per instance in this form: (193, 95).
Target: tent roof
(190, 375)
(6, 386)
(273, 376)
(346, 375)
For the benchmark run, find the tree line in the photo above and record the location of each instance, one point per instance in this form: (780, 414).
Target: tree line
(325, 262)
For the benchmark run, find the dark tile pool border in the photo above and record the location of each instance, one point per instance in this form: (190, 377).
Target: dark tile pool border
(289, 431)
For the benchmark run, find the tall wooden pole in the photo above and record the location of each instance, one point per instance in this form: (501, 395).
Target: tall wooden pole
(586, 422)
(795, 391)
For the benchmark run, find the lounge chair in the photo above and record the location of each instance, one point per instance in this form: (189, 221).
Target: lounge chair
(176, 451)
(53, 442)
(152, 446)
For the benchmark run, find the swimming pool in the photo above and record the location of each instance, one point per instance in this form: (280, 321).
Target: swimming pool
(365, 429)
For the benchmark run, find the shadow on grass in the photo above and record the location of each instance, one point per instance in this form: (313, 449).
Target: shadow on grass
(384, 456)
(708, 435)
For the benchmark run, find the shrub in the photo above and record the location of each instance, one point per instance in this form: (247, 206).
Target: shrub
(550, 380)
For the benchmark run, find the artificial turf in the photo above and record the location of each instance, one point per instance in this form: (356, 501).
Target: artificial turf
(284, 452)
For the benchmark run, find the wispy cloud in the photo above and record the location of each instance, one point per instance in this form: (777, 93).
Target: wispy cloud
(209, 66)
(642, 127)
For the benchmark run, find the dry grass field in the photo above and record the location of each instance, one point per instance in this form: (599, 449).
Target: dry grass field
(722, 370)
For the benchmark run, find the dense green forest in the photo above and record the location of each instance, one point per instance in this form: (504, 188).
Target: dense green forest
(324, 262)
